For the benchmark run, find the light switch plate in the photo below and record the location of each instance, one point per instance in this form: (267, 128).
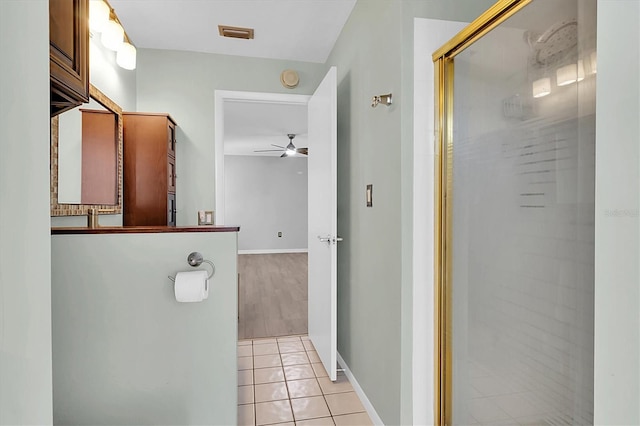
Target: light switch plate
(370, 195)
(205, 217)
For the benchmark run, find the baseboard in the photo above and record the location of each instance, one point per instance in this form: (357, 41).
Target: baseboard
(273, 251)
(375, 418)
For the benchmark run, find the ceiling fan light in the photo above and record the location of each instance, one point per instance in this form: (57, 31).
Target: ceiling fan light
(290, 152)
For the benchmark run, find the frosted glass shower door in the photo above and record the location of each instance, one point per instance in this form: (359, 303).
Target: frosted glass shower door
(520, 238)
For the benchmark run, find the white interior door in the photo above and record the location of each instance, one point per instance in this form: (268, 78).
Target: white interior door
(323, 221)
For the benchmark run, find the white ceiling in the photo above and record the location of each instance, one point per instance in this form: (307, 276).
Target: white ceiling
(299, 30)
(250, 126)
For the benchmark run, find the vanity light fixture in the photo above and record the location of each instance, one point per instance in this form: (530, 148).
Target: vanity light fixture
(112, 35)
(103, 19)
(566, 75)
(580, 70)
(126, 56)
(99, 13)
(541, 87)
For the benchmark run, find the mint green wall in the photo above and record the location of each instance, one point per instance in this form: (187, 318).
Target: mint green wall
(183, 84)
(25, 277)
(124, 351)
(374, 55)
(617, 274)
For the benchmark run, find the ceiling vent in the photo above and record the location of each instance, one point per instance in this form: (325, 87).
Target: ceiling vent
(235, 32)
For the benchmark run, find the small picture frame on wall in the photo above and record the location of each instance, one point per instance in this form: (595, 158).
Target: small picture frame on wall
(205, 217)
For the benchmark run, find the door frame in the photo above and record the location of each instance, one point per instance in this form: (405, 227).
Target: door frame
(444, 62)
(220, 98)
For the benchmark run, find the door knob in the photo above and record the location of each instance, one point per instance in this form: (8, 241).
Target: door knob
(336, 240)
(324, 239)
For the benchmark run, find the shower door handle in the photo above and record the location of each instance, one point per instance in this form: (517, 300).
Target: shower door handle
(326, 239)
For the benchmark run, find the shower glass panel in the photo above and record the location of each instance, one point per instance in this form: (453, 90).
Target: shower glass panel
(522, 220)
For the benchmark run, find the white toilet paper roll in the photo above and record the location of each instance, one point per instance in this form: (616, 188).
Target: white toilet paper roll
(191, 286)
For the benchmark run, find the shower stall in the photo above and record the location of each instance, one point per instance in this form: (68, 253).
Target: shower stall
(515, 216)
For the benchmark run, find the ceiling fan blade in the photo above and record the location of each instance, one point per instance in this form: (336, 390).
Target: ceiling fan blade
(281, 147)
(284, 155)
(267, 150)
(303, 151)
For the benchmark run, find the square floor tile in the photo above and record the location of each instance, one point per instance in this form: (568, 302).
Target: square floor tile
(297, 372)
(244, 342)
(308, 346)
(358, 419)
(268, 375)
(318, 368)
(344, 403)
(263, 341)
(245, 394)
(264, 361)
(246, 415)
(288, 339)
(305, 337)
(245, 377)
(324, 421)
(265, 349)
(273, 412)
(286, 347)
(294, 358)
(309, 408)
(313, 356)
(340, 385)
(304, 387)
(246, 350)
(245, 363)
(271, 392)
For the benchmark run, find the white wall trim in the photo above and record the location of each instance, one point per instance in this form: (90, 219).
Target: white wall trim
(371, 411)
(220, 97)
(273, 251)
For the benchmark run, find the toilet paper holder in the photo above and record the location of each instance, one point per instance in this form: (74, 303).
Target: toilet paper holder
(195, 259)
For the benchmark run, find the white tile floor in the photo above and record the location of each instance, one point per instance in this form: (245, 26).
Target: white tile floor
(281, 381)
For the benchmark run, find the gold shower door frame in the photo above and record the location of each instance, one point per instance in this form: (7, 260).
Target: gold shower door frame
(444, 62)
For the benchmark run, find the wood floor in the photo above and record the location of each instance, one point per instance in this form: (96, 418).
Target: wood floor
(272, 291)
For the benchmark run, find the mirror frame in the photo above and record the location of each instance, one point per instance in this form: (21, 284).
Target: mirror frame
(83, 209)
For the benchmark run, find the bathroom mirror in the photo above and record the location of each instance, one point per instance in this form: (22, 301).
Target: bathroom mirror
(86, 158)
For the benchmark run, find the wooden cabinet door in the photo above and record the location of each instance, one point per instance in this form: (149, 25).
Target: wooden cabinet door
(68, 53)
(171, 140)
(99, 158)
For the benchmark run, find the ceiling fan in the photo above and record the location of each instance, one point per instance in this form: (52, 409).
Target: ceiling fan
(289, 151)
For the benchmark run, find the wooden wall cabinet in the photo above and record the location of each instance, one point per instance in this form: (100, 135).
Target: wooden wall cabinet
(68, 54)
(149, 169)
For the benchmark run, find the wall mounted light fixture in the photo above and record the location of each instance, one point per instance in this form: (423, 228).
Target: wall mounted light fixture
(103, 19)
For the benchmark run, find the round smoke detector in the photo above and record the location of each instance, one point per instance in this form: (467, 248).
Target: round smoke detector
(289, 79)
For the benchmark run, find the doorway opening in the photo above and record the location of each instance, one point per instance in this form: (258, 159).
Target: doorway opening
(263, 188)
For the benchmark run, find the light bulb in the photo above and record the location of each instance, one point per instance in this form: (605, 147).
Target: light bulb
(112, 35)
(290, 152)
(541, 87)
(126, 56)
(98, 15)
(566, 75)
